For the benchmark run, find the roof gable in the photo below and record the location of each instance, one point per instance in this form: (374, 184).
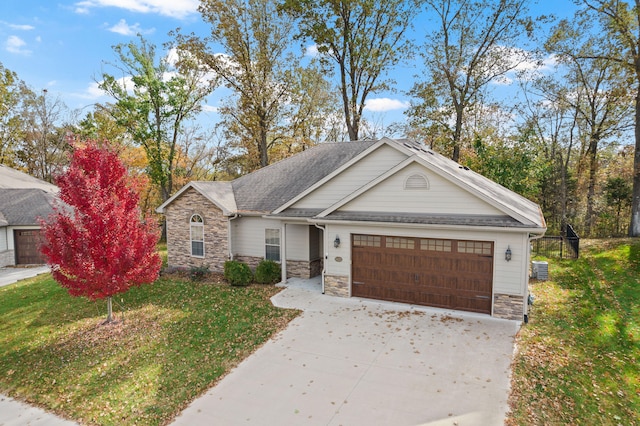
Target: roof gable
(219, 193)
(486, 190)
(389, 193)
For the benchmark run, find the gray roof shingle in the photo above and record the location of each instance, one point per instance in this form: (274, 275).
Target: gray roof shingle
(268, 188)
(25, 206)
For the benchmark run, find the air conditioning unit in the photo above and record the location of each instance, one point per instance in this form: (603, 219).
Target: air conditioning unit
(540, 270)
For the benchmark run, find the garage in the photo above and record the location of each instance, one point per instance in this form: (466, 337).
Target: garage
(27, 244)
(451, 274)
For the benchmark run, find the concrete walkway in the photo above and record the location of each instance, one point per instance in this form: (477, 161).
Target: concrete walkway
(356, 362)
(16, 413)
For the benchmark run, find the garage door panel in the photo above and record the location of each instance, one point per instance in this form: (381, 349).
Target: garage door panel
(27, 246)
(426, 272)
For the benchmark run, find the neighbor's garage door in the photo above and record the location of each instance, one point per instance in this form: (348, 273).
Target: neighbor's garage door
(434, 272)
(27, 244)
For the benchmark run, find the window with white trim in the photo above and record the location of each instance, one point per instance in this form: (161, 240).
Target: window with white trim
(196, 229)
(272, 244)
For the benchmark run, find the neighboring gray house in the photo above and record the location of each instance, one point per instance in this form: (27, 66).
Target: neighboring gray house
(23, 199)
(387, 219)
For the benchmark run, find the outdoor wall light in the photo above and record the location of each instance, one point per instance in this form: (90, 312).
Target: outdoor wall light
(336, 242)
(507, 254)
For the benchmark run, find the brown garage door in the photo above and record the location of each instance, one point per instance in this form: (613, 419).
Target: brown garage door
(433, 272)
(27, 244)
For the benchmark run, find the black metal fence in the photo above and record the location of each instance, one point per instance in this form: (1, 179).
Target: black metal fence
(565, 246)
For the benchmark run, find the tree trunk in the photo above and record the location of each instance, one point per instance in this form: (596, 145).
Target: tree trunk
(634, 226)
(457, 134)
(591, 190)
(109, 311)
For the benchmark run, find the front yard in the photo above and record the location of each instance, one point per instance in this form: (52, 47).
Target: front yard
(176, 339)
(578, 360)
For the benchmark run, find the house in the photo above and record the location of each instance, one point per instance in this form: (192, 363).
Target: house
(387, 219)
(23, 200)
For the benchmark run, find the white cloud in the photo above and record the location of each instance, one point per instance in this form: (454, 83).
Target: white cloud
(22, 27)
(312, 51)
(172, 8)
(39, 39)
(385, 104)
(129, 30)
(18, 27)
(15, 44)
(210, 108)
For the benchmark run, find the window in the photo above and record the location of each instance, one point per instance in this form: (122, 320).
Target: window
(435, 245)
(272, 244)
(476, 247)
(401, 243)
(196, 226)
(366, 241)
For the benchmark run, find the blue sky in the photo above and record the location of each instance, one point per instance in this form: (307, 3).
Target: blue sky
(62, 45)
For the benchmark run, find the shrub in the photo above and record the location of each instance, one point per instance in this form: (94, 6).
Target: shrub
(198, 273)
(237, 273)
(268, 272)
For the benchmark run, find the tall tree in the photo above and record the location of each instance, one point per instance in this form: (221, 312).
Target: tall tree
(599, 92)
(472, 45)
(13, 94)
(43, 146)
(98, 244)
(553, 123)
(362, 38)
(155, 105)
(254, 39)
(621, 25)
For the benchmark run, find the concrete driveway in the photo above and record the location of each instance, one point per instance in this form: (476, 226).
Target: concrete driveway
(357, 362)
(14, 274)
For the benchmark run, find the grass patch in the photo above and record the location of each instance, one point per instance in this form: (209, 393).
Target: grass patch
(578, 359)
(176, 339)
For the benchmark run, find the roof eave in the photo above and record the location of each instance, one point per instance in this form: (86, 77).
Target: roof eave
(519, 230)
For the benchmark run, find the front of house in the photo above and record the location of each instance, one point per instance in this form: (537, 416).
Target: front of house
(387, 219)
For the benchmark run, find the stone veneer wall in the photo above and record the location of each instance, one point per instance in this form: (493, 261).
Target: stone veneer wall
(178, 215)
(7, 258)
(251, 261)
(303, 268)
(298, 269)
(508, 307)
(336, 285)
(316, 267)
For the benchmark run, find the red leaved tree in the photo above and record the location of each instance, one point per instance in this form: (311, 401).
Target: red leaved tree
(99, 245)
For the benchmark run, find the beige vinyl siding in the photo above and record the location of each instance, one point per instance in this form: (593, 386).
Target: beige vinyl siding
(297, 242)
(359, 174)
(508, 277)
(315, 243)
(248, 236)
(441, 197)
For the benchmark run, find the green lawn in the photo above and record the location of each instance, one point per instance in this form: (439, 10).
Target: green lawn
(176, 339)
(578, 360)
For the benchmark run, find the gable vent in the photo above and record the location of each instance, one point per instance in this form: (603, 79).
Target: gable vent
(416, 182)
